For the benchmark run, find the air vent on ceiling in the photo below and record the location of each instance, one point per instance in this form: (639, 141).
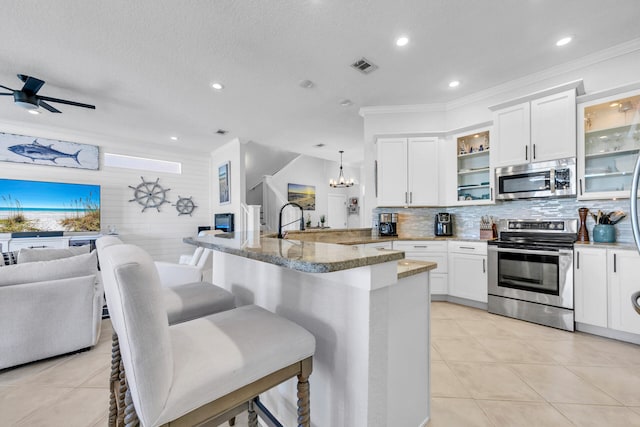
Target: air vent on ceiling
(222, 132)
(364, 66)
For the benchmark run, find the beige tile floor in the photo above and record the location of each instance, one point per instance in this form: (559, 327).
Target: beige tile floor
(487, 370)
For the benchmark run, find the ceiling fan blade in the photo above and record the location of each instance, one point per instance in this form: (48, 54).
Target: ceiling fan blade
(7, 88)
(64, 101)
(4, 93)
(48, 107)
(31, 84)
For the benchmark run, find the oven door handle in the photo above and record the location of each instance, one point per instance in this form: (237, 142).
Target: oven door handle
(529, 251)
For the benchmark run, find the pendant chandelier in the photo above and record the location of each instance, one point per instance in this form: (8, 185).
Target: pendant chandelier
(341, 182)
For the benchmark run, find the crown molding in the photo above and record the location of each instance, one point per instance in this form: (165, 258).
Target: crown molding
(577, 64)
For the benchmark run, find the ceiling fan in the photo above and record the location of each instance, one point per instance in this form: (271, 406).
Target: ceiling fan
(28, 98)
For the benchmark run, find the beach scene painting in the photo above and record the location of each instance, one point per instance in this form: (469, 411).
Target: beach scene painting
(304, 195)
(27, 206)
(42, 151)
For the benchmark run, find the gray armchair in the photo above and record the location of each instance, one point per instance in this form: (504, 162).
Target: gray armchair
(48, 308)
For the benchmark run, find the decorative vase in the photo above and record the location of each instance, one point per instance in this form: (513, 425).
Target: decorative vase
(583, 234)
(604, 233)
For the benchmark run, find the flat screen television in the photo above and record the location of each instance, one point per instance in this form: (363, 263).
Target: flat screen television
(28, 207)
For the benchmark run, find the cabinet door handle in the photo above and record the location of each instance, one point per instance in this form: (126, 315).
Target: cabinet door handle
(526, 152)
(420, 246)
(534, 151)
(580, 183)
(491, 193)
(410, 197)
(406, 198)
(615, 266)
(577, 260)
(484, 266)
(468, 247)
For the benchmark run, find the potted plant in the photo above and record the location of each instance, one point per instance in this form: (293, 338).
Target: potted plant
(322, 219)
(308, 223)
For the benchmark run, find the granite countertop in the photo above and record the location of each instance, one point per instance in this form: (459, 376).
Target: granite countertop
(409, 267)
(616, 245)
(306, 256)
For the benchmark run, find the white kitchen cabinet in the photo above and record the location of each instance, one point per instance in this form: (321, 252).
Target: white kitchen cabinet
(512, 135)
(408, 171)
(624, 280)
(428, 250)
(553, 126)
(474, 178)
(468, 270)
(608, 145)
(590, 274)
(537, 130)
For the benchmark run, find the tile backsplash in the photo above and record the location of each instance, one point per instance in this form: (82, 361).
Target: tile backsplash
(419, 221)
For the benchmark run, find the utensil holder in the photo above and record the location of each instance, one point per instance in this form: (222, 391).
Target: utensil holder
(604, 233)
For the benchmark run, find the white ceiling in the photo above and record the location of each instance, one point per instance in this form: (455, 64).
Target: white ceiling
(148, 64)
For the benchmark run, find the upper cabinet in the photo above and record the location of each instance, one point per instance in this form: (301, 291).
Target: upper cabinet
(608, 145)
(474, 180)
(408, 171)
(536, 130)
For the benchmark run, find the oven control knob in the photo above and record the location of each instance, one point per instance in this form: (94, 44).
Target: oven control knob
(518, 225)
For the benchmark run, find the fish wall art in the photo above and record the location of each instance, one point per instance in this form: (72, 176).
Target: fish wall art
(51, 152)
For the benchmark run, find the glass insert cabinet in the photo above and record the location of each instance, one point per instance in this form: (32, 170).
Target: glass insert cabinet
(474, 171)
(608, 145)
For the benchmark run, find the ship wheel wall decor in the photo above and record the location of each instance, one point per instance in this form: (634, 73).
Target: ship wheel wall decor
(149, 194)
(185, 205)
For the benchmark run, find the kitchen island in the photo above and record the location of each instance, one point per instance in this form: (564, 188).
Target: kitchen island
(369, 312)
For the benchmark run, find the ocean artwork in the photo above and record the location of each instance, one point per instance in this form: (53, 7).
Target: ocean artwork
(41, 151)
(27, 206)
(304, 195)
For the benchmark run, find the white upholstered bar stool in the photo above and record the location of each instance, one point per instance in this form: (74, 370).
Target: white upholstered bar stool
(182, 302)
(204, 370)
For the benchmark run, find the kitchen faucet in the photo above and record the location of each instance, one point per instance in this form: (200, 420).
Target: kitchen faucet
(280, 218)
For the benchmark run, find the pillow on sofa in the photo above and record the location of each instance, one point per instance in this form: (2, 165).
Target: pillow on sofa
(8, 258)
(40, 271)
(48, 254)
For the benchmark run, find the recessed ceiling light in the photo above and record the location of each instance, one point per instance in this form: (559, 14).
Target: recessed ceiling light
(35, 112)
(306, 84)
(454, 83)
(217, 86)
(346, 103)
(402, 41)
(564, 41)
(174, 138)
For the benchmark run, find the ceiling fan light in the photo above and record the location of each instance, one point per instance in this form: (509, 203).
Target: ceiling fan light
(34, 112)
(26, 105)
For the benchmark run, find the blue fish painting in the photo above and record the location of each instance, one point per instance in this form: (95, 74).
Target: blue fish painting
(35, 151)
(41, 151)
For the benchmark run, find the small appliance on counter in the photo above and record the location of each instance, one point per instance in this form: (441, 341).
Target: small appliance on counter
(387, 224)
(444, 224)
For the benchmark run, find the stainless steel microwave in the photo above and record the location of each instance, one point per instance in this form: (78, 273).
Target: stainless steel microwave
(555, 178)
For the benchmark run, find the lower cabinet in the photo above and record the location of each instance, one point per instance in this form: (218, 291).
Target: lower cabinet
(624, 280)
(590, 286)
(605, 279)
(468, 270)
(428, 250)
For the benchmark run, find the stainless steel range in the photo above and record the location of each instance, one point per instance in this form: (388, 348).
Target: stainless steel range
(531, 271)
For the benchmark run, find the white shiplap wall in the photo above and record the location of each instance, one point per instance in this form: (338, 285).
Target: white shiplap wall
(160, 233)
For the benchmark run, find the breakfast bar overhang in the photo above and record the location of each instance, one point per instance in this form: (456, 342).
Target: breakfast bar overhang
(369, 312)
